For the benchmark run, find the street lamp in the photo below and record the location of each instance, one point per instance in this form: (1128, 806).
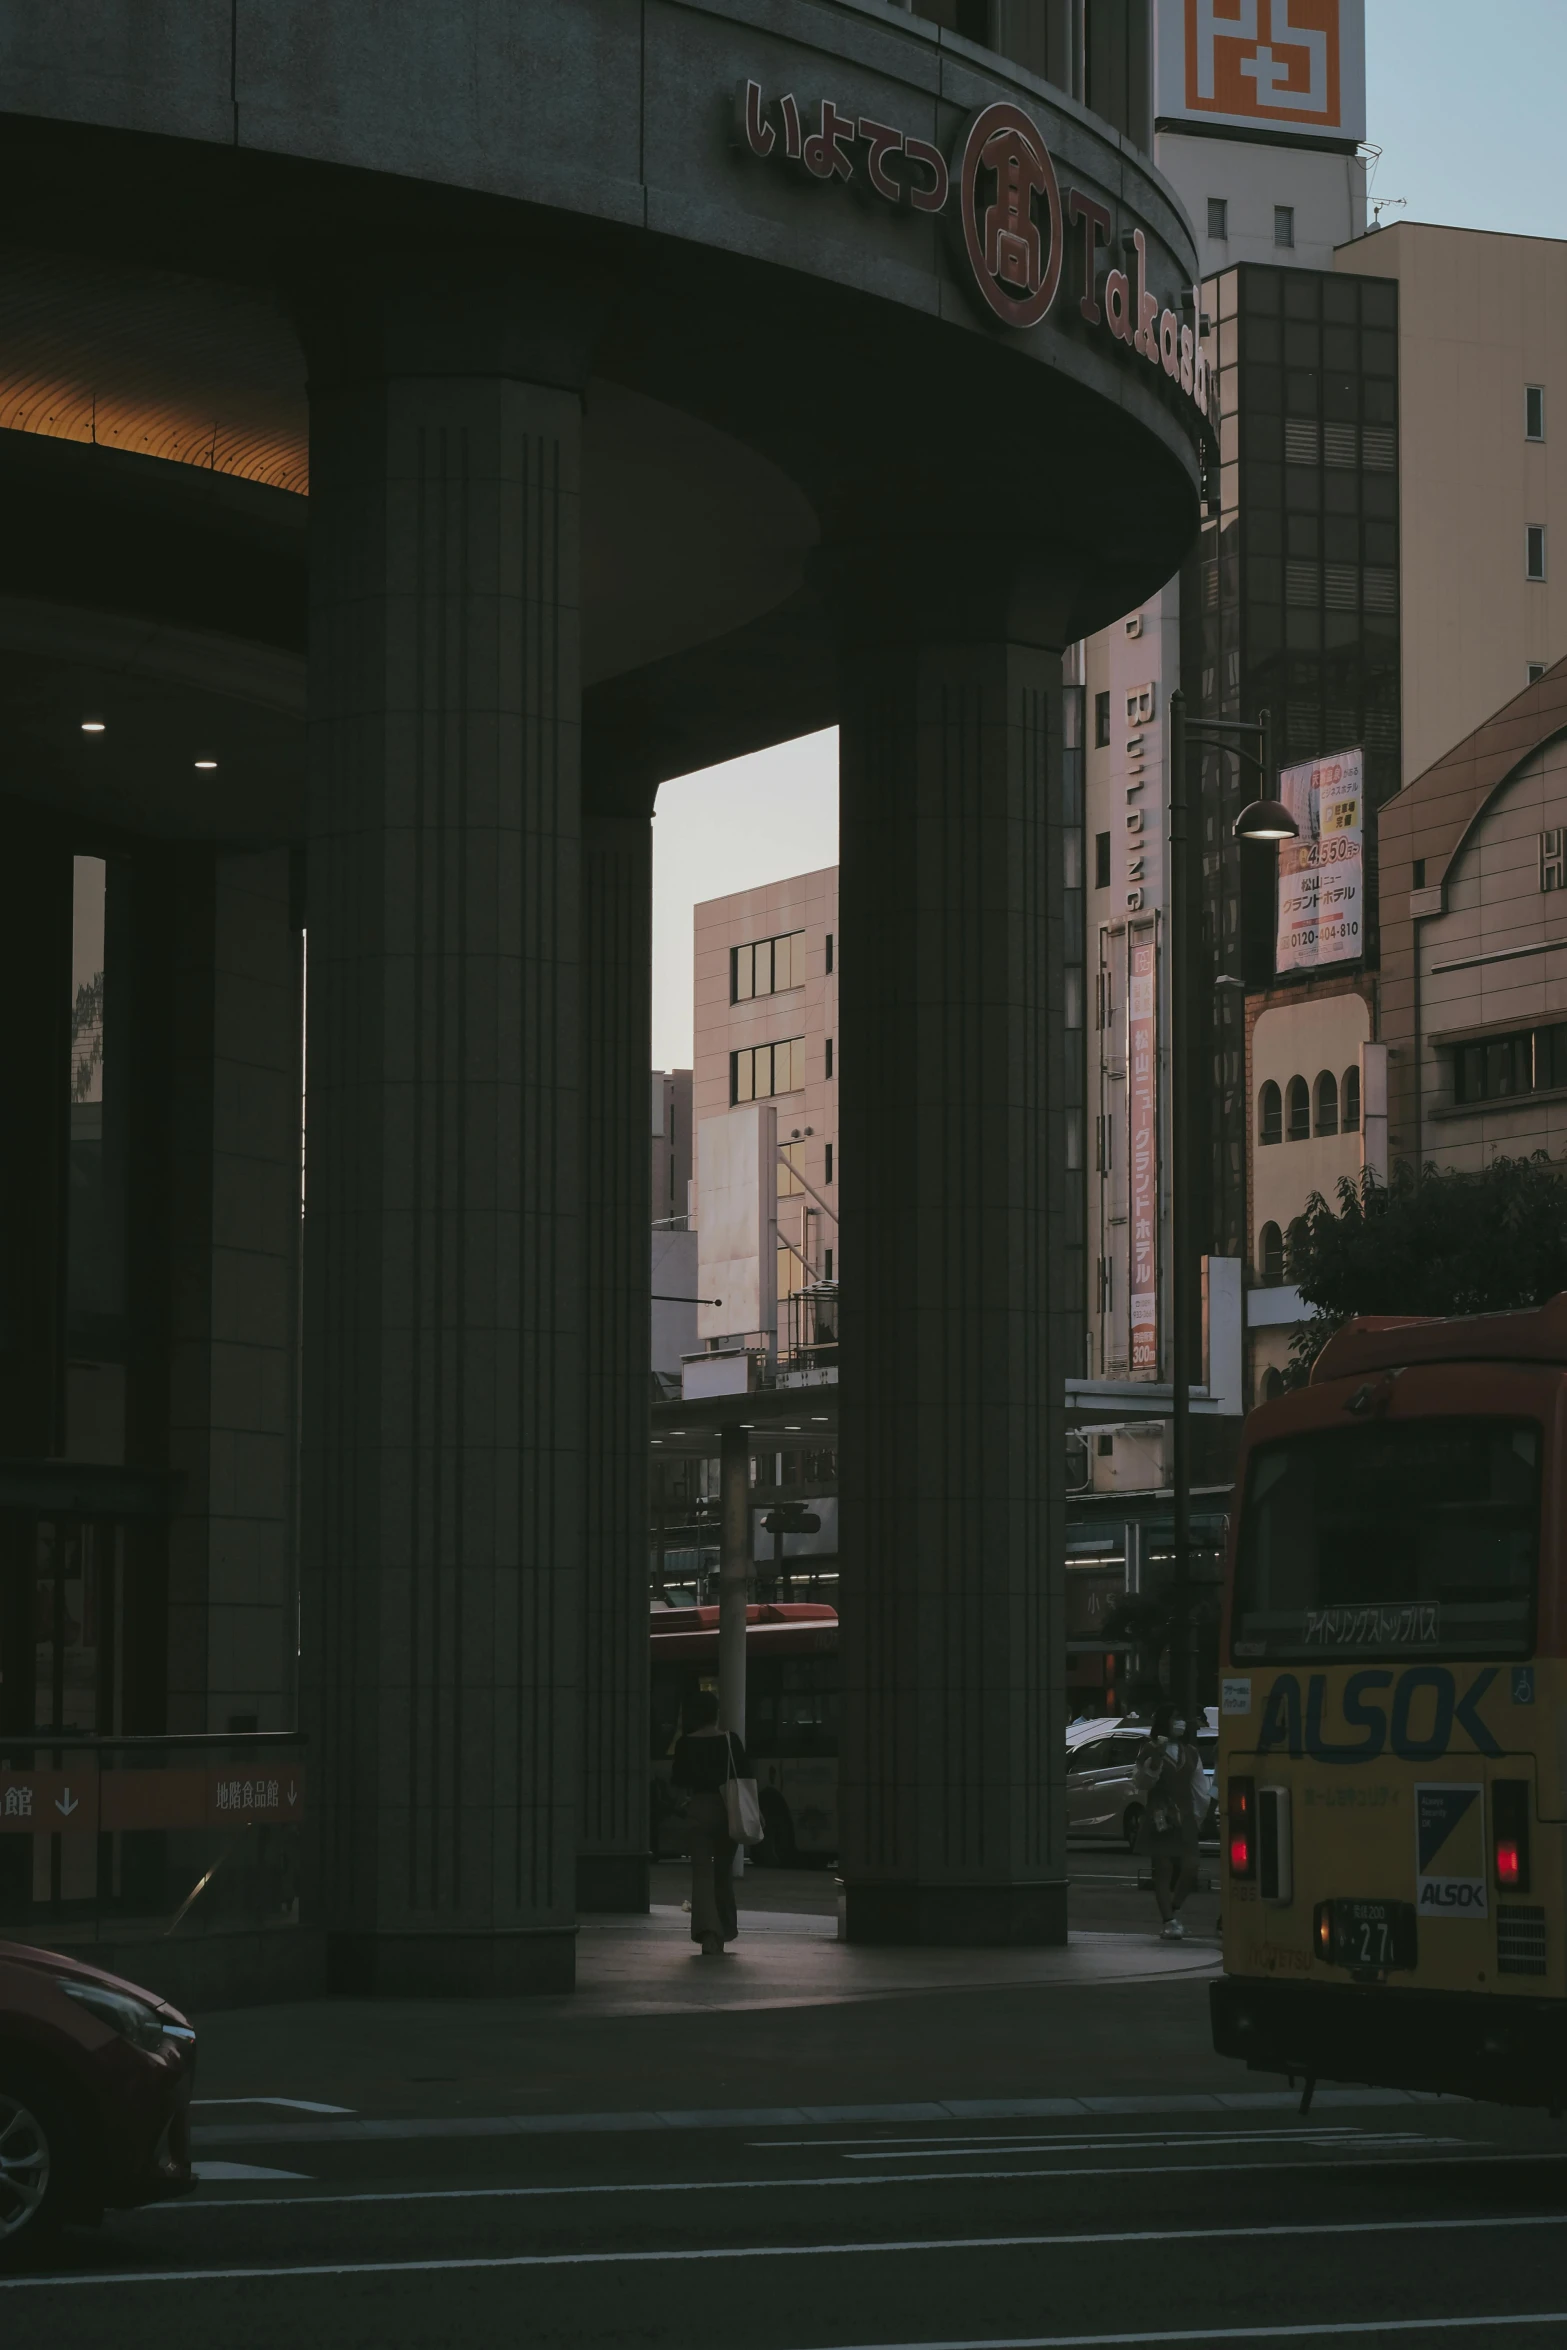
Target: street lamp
(1264, 819)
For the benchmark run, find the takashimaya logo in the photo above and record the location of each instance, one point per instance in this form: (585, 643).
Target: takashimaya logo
(1011, 203)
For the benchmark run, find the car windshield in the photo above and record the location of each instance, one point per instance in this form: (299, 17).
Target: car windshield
(1418, 1537)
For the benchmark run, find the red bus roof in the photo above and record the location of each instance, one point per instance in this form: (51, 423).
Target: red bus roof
(1386, 1342)
(664, 1621)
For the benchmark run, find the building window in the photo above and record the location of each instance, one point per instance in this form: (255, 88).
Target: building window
(1101, 722)
(827, 1071)
(1284, 224)
(1270, 1114)
(828, 964)
(1553, 861)
(1534, 551)
(827, 1176)
(1534, 412)
(767, 968)
(1270, 1256)
(791, 1169)
(759, 1070)
(1295, 1240)
(1299, 1110)
(1218, 220)
(1327, 1102)
(1420, 873)
(1536, 670)
(826, 1264)
(1497, 1068)
(1351, 1101)
(1272, 1385)
(1101, 860)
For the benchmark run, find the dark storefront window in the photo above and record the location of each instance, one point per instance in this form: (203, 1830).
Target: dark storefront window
(95, 1206)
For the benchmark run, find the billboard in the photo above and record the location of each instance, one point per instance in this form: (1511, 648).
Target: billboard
(1321, 917)
(1291, 65)
(1142, 1092)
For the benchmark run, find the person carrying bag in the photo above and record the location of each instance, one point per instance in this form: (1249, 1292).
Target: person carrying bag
(722, 1811)
(1170, 1784)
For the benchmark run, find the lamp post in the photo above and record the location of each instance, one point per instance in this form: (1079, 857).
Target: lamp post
(1264, 819)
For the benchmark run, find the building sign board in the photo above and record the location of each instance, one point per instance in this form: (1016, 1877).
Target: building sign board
(1295, 65)
(1012, 220)
(1321, 917)
(1142, 1097)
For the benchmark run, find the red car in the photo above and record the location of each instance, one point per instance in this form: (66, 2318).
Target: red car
(95, 2083)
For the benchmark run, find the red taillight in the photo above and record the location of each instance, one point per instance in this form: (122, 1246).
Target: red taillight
(1510, 1807)
(1242, 1808)
(1509, 1866)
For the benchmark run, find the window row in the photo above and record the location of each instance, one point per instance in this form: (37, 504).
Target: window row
(1219, 222)
(1494, 1068)
(1287, 1115)
(767, 967)
(758, 1070)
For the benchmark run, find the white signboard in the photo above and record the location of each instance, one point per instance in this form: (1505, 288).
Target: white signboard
(1295, 66)
(1322, 874)
(736, 1192)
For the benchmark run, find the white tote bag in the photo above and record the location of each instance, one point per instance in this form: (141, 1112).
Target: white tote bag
(741, 1802)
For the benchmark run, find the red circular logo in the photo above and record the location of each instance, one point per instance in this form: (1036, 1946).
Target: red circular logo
(1011, 214)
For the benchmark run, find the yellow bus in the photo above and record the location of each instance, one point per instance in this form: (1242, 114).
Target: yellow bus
(1393, 1716)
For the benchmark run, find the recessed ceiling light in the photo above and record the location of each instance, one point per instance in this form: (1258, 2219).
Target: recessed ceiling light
(92, 726)
(205, 763)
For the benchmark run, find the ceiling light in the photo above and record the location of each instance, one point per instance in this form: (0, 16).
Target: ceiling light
(206, 763)
(92, 726)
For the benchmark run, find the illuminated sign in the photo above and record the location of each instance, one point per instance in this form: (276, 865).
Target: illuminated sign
(1322, 874)
(1012, 219)
(1295, 65)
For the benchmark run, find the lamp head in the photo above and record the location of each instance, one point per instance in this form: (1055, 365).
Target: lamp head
(1265, 820)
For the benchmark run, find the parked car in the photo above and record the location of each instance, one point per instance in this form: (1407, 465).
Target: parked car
(1099, 1800)
(95, 2086)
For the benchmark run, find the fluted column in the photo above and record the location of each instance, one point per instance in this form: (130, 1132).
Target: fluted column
(617, 945)
(952, 1259)
(443, 1408)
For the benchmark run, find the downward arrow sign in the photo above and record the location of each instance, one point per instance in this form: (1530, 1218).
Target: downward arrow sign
(66, 1803)
(293, 1792)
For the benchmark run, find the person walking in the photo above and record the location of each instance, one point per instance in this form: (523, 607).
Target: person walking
(1171, 1785)
(704, 1758)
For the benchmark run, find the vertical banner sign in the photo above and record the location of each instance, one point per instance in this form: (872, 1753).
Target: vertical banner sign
(1321, 875)
(1142, 1095)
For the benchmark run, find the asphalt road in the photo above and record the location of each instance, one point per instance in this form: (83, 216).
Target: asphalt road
(1415, 2223)
(995, 2164)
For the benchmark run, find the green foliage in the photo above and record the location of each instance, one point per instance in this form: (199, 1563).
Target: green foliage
(1450, 1244)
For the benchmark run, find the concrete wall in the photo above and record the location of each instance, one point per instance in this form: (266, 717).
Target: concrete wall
(1327, 193)
(1493, 904)
(1480, 317)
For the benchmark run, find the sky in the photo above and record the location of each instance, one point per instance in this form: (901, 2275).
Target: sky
(1464, 99)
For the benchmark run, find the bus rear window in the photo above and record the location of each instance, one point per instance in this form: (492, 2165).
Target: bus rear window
(1406, 1538)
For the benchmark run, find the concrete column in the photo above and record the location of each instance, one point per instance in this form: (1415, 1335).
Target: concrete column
(953, 1301)
(617, 946)
(443, 1416)
(233, 1294)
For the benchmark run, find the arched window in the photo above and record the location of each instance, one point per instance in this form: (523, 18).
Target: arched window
(1327, 1103)
(1270, 1114)
(1270, 1255)
(1272, 1385)
(1294, 1246)
(1351, 1100)
(1299, 1110)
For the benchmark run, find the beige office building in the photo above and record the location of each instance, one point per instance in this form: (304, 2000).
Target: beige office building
(766, 1030)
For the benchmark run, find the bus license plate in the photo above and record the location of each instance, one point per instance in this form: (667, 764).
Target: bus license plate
(1376, 1934)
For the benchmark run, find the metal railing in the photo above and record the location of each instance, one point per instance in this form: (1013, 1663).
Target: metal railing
(149, 1837)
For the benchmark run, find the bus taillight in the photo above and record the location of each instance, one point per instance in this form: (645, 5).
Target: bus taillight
(1510, 1834)
(1242, 1808)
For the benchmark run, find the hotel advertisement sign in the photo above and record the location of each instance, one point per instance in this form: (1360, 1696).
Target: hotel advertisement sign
(1322, 874)
(1142, 1114)
(1292, 67)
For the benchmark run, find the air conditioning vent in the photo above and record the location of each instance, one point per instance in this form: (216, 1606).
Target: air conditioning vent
(1520, 1939)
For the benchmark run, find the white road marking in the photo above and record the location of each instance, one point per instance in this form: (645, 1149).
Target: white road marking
(1366, 2328)
(289, 2104)
(243, 2170)
(951, 2140)
(839, 2179)
(1330, 2144)
(1089, 2239)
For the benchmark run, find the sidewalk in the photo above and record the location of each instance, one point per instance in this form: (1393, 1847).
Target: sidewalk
(792, 2018)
